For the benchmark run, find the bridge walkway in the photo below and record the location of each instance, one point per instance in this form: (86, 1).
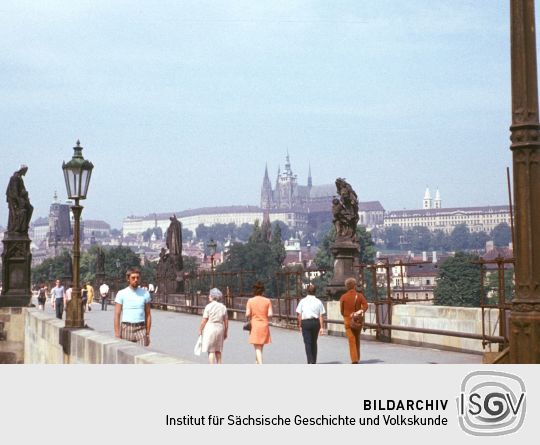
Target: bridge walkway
(176, 333)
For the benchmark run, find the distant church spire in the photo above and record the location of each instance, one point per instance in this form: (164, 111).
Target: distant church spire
(427, 200)
(288, 164)
(309, 180)
(266, 191)
(437, 203)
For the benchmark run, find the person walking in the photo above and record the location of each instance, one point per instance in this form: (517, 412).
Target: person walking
(214, 326)
(352, 301)
(57, 297)
(310, 311)
(90, 295)
(259, 311)
(132, 316)
(104, 293)
(42, 296)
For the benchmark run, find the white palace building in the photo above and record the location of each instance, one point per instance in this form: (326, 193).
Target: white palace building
(433, 216)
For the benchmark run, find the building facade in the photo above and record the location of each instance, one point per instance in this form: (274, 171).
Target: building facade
(433, 216)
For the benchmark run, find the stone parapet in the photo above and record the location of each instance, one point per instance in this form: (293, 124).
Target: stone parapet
(11, 335)
(444, 318)
(47, 341)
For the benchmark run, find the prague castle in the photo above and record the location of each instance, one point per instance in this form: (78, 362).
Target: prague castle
(301, 207)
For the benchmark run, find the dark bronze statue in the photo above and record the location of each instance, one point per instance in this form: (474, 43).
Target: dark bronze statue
(100, 261)
(345, 212)
(20, 209)
(174, 242)
(169, 273)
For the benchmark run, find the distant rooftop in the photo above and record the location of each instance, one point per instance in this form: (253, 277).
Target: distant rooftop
(200, 211)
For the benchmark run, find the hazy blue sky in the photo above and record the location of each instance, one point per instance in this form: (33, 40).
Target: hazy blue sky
(179, 104)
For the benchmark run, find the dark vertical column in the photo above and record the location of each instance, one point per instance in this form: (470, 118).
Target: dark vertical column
(525, 137)
(74, 310)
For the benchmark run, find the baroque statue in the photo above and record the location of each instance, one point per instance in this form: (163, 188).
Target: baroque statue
(174, 242)
(345, 212)
(20, 209)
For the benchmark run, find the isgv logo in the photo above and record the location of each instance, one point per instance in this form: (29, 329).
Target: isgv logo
(491, 403)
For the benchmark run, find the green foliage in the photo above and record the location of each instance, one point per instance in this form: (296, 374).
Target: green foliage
(458, 282)
(50, 269)
(491, 286)
(501, 235)
(147, 234)
(460, 237)
(120, 256)
(222, 232)
(477, 240)
(148, 272)
(419, 238)
(187, 235)
(258, 255)
(276, 245)
(393, 237)
(440, 241)
(190, 264)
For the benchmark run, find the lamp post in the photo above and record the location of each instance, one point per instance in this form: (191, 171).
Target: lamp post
(212, 249)
(77, 173)
(117, 274)
(525, 136)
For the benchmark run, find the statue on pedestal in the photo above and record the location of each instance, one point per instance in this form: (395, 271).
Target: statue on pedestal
(17, 257)
(20, 209)
(346, 247)
(345, 212)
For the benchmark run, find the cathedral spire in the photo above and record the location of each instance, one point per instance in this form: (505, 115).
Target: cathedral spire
(266, 191)
(309, 180)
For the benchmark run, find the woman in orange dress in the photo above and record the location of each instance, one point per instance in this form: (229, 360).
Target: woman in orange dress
(259, 311)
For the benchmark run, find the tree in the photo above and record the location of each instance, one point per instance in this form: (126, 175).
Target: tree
(458, 281)
(478, 240)
(460, 237)
(190, 264)
(441, 241)
(276, 245)
(49, 270)
(393, 236)
(420, 238)
(259, 255)
(187, 235)
(501, 235)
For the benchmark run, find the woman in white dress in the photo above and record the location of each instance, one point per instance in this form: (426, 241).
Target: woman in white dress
(214, 326)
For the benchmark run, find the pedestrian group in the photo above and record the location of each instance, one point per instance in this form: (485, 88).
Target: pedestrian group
(133, 318)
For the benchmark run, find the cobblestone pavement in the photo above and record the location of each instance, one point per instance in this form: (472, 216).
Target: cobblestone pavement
(176, 333)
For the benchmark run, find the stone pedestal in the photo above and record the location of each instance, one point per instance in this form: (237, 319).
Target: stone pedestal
(345, 255)
(16, 260)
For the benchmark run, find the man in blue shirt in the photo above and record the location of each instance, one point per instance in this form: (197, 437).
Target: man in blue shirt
(132, 317)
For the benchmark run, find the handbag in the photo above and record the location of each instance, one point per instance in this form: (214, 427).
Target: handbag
(356, 320)
(247, 326)
(198, 346)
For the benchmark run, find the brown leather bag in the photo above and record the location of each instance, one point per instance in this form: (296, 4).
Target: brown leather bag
(356, 320)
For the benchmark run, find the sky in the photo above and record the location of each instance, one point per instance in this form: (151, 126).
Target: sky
(180, 104)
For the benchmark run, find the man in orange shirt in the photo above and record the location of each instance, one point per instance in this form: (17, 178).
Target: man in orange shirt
(352, 301)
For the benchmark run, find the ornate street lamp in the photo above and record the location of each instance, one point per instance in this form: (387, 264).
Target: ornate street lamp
(77, 174)
(117, 275)
(212, 249)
